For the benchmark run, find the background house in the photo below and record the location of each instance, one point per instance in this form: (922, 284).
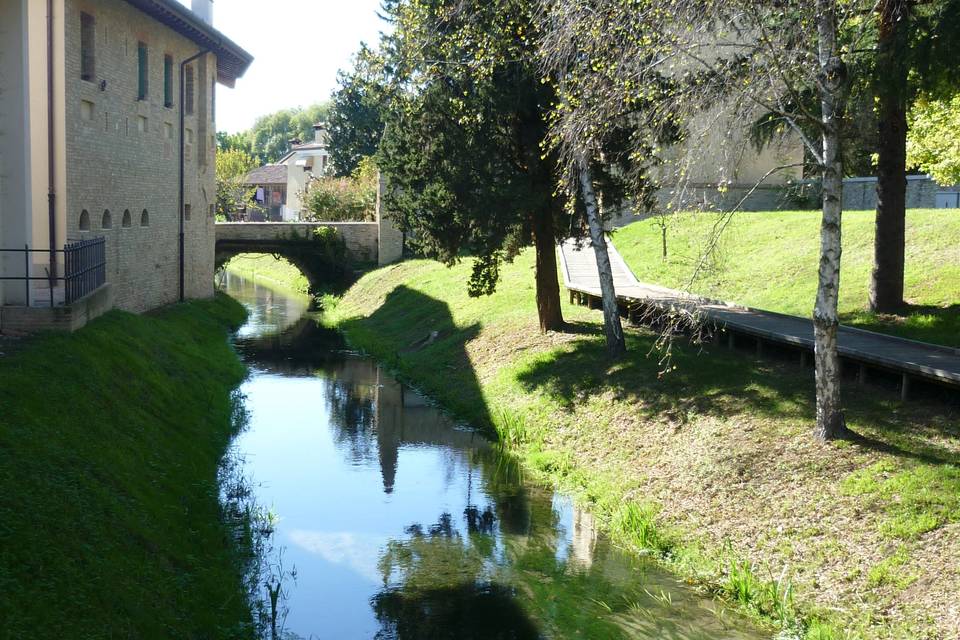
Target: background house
(268, 185)
(303, 160)
(92, 125)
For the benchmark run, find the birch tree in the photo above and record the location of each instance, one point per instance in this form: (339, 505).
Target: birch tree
(613, 329)
(709, 66)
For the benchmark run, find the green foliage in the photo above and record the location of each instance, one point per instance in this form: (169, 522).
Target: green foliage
(269, 138)
(356, 121)
(233, 165)
(111, 525)
(342, 199)
(234, 142)
(933, 140)
(461, 148)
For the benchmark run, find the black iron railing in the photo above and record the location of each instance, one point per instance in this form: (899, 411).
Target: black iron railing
(85, 270)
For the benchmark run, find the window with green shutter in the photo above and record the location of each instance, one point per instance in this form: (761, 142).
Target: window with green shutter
(142, 71)
(188, 91)
(88, 66)
(168, 81)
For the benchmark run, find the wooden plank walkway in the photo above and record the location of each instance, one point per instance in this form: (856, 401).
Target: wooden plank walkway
(905, 357)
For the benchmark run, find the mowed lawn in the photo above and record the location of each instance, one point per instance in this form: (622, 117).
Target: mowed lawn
(769, 260)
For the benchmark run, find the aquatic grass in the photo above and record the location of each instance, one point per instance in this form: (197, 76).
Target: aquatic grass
(637, 521)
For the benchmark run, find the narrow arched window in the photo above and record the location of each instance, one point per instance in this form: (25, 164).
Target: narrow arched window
(107, 222)
(144, 219)
(84, 221)
(127, 221)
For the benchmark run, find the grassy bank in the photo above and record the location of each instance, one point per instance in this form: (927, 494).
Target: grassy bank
(277, 272)
(711, 466)
(769, 260)
(110, 441)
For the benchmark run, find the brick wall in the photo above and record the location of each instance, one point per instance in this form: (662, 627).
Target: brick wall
(122, 155)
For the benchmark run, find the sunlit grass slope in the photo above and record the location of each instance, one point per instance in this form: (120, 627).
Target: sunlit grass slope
(769, 260)
(264, 267)
(110, 441)
(711, 465)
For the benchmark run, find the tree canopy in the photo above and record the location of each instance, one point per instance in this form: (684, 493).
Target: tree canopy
(356, 122)
(269, 138)
(933, 143)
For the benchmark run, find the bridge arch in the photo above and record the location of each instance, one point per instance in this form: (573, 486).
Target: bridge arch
(324, 252)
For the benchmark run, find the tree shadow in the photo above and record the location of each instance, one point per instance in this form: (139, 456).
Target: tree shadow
(715, 381)
(387, 333)
(466, 611)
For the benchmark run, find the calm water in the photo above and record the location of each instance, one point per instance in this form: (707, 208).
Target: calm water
(401, 523)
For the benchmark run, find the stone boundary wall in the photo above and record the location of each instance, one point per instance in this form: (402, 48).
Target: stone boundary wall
(861, 193)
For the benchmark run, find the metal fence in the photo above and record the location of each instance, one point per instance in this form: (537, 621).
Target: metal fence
(85, 270)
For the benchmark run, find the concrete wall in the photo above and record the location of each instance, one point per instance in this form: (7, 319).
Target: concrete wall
(15, 193)
(861, 193)
(22, 320)
(390, 238)
(123, 156)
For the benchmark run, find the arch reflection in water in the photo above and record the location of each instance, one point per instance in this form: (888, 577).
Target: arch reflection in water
(403, 524)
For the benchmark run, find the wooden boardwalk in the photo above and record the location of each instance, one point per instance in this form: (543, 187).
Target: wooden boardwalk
(907, 358)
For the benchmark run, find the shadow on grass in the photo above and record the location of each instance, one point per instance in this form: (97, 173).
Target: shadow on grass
(412, 332)
(717, 382)
(926, 323)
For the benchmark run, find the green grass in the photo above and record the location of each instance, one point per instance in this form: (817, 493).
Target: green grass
(769, 260)
(278, 272)
(711, 466)
(110, 441)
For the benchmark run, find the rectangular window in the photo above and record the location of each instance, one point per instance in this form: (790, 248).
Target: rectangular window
(188, 91)
(88, 67)
(142, 71)
(168, 81)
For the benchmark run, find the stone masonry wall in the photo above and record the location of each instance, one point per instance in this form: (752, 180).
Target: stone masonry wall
(122, 156)
(360, 238)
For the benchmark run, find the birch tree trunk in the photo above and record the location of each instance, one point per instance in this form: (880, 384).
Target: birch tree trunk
(832, 84)
(611, 314)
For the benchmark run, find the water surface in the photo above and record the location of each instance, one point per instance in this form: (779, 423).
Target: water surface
(401, 523)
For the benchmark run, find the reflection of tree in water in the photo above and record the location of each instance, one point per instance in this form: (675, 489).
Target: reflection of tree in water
(354, 414)
(482, 577)
(447, 587)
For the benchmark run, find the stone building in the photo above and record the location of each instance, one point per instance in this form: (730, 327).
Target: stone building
(107, 130)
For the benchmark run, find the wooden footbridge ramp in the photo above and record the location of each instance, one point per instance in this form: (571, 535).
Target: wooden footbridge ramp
(866, 350)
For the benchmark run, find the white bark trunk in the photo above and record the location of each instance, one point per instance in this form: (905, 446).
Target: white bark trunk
(830, 422)
(611, 314)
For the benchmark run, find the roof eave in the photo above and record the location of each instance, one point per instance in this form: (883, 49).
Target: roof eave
(232, 60)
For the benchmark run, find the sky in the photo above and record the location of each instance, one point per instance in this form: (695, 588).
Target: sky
(298, 46)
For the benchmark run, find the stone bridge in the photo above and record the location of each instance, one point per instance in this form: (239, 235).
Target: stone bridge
(313, 247)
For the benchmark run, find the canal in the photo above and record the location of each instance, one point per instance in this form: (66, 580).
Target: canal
(392, 521)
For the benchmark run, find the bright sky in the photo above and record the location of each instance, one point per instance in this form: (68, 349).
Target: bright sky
(297, 45)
